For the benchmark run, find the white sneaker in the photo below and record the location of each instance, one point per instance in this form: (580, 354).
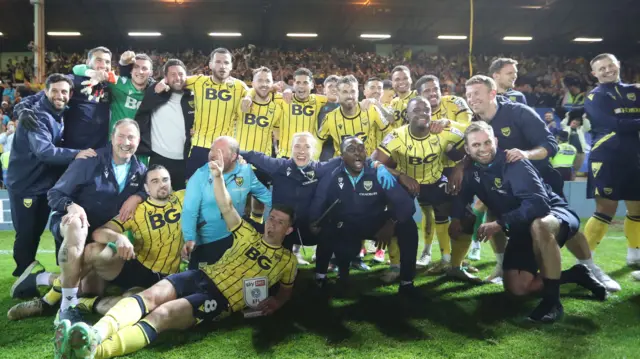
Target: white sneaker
(313, 258)
(474, 254)
(496, 276)
(610, 284)
(636, 275)
(425, 259)
(301, 260)
(633, 256)
(391, 275)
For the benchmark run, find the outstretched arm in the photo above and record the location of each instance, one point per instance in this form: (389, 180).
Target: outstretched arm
(223, 199)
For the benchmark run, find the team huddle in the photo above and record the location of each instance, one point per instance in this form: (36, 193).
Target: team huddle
(142, 176)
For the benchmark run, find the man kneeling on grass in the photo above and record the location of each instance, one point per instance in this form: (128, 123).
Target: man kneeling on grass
(241, 278)
(537, 221)
(112, 258)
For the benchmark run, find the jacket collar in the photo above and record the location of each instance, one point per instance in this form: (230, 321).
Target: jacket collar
(48, 107)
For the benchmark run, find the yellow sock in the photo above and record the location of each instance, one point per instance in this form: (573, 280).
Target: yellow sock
(427, 225)
(125, 341)
(125, 313)
(596, 228)
(632, 231)
(394, 251)
(442, 230)
(459, 249)
(256, 216)
(54, 294)
(87, 304)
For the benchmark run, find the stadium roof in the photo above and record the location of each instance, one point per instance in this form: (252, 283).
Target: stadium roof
(552, 24)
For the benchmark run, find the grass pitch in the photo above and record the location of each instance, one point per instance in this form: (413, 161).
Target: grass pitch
(456, 321)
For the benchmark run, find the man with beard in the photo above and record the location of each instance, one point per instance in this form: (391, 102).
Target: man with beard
(87, 120)
(216, 99)
(538, 223)
(401, 80)
(165, 118)
(37, 163)
(88, 195)
(361, 213)
(301, 115)
(254, 129)
(349, 120)
(155, 253)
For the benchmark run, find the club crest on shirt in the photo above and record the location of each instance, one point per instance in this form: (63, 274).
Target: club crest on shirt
(239, 181)
(27, 202)
(311, 174)
(497, 182)
(631, 96)
(506, 131)
(368, 185)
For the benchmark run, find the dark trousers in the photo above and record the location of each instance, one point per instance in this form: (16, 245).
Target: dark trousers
(209, 253)
(176, 168)
(29, 215)
(345, 244)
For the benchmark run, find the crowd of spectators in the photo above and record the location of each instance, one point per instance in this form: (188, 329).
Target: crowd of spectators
(543, 79)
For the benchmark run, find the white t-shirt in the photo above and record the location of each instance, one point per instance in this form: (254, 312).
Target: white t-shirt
(167, 129)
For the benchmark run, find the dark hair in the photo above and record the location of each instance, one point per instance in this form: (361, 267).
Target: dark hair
(303, 71)
(387, 85)
(498, 64)
(372, 79)
(55, 78)
(400, 68)
(563, 136)
(173, 62)
(417, 99)
(330, 79)
(220, 50)
(288, 210)
(424, 79)
(153, 167)
(144, 57)
(343, 144)
(98, 49)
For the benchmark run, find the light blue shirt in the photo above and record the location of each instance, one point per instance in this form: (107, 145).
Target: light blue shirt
(201, 218)
(121, 172)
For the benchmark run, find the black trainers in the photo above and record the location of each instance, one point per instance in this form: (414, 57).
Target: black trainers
(25, 286)
(547, 312)
(582, 276)
(409, 291)
(72, 314)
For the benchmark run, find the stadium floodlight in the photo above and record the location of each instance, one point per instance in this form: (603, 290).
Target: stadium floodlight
(63, 33)
(301, 34)
(1, 34)
(375, 36)
(587, 39)
(517, 38)
(225, 34)
(147, 34)
(452, 37)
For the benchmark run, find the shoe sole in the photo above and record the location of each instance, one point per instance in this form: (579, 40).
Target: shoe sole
(84, 331)
(60, 339)
(23, 276)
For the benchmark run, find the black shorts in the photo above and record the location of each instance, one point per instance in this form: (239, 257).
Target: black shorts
(434, 194)
(614, 180)
(135, 274)
(519, 253)
(205, 298)
(264, 178)
(197, 158)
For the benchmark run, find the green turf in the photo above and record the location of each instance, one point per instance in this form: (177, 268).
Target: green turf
(458, 321)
